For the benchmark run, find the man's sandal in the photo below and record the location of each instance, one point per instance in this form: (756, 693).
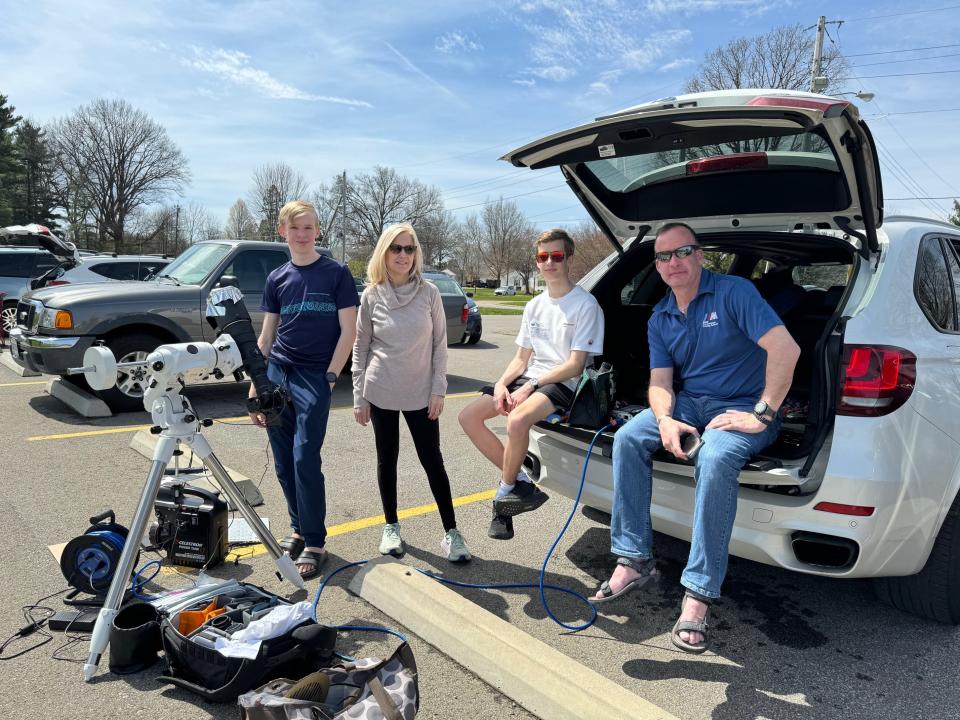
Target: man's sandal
(293, 546)
(697, 626)
(314, 561)
(649, 576)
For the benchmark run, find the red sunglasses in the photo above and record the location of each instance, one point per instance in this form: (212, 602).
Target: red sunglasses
(557, 256)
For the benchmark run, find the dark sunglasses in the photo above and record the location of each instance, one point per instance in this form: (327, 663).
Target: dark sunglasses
(680, 252)
(557, 256)
(408, 249)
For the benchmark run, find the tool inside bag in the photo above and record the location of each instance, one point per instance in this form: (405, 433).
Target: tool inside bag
(239, 617)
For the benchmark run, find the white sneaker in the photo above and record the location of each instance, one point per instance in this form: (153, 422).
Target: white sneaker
(390, 542)
(455, 547)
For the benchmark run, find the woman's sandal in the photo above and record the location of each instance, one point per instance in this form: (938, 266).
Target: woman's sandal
(649, 575)
(697, 626)
(293, 546)
(314, 560)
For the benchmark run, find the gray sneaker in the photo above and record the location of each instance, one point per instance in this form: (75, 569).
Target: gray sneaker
(454, 546)
(390, 543)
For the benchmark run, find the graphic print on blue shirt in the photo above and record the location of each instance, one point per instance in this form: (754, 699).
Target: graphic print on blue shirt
(713, 348)
(307, 298)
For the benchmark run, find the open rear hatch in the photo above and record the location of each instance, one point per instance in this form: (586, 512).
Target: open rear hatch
(733, 160)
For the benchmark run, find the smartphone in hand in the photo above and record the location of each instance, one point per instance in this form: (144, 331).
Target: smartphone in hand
(691, 444)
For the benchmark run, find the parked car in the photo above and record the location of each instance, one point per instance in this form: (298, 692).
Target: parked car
(56, 325)
(474, 327)
(27, 251)
(454, 305)
(785, 187)
(101, 268)
(505, 290)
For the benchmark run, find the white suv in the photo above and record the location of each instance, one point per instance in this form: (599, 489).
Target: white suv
(784, 188)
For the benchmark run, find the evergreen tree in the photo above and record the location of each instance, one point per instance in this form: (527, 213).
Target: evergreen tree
(8, 119)
(33, 193)
(955, 217)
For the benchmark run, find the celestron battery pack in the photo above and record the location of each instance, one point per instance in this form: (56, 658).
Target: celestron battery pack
(73, 620)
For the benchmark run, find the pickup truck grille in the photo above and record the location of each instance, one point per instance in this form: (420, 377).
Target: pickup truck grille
(28, 315)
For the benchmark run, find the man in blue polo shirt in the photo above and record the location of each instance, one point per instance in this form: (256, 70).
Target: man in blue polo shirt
(734, 360)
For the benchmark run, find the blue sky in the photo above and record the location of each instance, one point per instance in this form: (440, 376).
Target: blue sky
(439, 90)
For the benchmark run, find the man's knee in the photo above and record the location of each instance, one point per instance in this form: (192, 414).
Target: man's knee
(519, 424)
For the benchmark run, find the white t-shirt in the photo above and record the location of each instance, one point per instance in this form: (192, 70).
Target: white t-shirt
(553, 327)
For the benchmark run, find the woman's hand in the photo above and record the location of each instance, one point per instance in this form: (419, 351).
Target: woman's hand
(435, 407)
(362, 414)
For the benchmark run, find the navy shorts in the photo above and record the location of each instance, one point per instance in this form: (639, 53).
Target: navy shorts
(559, 394)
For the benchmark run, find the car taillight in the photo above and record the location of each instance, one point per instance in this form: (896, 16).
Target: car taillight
(51, 283)
(463, 313)
(843, 509)
(719, 163)
(877, 379)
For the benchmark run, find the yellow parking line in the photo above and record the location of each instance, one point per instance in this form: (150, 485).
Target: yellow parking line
(135, 428)
(373, 521)
(25, 382)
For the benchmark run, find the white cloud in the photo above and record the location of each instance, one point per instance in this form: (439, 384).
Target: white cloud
(528, 83)
(677, 64)
(455, 42)
(234, 66)
(692, 7)
(413, 68)
(557, 73)
(597, 89)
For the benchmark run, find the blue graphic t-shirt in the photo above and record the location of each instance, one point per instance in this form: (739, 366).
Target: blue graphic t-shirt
(307, 298)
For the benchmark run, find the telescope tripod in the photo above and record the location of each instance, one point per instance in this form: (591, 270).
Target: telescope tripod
(178, 425)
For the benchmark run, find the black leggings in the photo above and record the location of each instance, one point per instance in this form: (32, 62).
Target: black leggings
(426, 439)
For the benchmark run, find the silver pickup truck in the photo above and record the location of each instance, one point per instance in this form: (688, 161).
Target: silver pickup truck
(56, 325)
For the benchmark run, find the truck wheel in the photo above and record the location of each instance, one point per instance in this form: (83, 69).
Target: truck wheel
(9, 317)
(127, 394)
(934, 592)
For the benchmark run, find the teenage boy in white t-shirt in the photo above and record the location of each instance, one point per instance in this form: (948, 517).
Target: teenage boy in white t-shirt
(561, 330)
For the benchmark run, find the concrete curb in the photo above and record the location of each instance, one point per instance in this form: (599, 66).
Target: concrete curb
(6, 359)
(543, 680)
(81, 402)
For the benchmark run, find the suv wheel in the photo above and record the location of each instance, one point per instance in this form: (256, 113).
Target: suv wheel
(934, 592)
(473, 339)
(9, 316)
(127, 394)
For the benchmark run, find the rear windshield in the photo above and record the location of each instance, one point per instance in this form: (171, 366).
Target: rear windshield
(625, 174)
(447, 287)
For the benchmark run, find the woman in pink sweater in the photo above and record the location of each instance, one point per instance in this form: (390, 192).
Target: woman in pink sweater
(400, 366)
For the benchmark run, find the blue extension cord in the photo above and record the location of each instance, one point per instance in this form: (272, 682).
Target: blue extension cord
(509, 586)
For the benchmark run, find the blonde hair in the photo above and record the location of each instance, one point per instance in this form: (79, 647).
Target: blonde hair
(296, 208)
(377, 267)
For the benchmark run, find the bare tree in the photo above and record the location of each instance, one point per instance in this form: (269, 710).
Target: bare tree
(382, 197)
(193, 226)
(955, 215)
(591, 247)
(328, 199)
(780, 58)
(504, 227)
(240, 223)
(274, 185)
(437, 233)
(465, 255)
(121, 159)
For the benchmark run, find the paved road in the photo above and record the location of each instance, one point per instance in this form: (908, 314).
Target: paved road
(787, 645)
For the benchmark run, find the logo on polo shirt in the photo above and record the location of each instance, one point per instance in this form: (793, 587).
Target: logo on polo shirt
(710, 320)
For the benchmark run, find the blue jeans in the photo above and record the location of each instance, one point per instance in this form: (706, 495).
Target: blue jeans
(296, 441)
(717, 466)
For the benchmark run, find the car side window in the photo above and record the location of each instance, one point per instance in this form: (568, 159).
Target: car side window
(933, 286)
(45, 262)
(16, 264)
(115, 271)
(952, 248)
(251, 268)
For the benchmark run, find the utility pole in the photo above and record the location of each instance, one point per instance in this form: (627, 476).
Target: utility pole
(176, 233)
(816, 84)
(343, 217)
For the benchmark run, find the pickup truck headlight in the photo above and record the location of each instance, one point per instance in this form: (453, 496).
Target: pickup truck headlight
(56, 319)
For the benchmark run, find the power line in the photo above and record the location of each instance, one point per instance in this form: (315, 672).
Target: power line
(891, 52)
(511, 197)
(932, 72)
(910, 112)
(906, 60)
(902, 14)
(945, 197)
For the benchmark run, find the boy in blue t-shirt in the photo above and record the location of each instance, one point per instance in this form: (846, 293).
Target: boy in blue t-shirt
(309, 327)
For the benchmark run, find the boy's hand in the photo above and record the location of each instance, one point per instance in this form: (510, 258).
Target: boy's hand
(362, 415)
(435, 407)
(502, 399)
(258, 418)
(521, 394)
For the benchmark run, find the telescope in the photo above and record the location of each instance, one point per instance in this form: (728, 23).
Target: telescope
(175, 422)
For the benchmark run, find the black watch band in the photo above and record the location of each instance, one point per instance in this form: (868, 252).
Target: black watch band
(331, 377)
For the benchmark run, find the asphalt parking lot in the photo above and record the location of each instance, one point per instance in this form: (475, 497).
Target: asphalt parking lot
(784, 645)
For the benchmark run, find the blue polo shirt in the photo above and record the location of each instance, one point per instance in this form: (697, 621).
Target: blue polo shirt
(713, 348)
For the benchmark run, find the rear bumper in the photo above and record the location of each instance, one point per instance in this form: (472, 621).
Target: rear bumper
(52, 355)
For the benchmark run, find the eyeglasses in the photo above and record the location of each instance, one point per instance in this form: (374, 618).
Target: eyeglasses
(408, 249)
(557, 256)
(681, 252)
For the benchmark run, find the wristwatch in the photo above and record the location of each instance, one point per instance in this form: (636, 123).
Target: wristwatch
(764, 413)
(534, 383)
(331, 377)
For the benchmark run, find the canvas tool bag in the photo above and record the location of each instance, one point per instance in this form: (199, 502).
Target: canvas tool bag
(593, 398)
